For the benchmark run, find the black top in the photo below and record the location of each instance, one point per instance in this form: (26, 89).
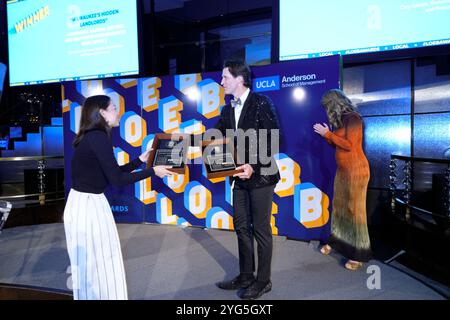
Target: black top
(94, 165)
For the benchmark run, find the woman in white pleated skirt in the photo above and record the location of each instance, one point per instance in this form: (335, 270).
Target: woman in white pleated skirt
(98, 271)
(97, 268)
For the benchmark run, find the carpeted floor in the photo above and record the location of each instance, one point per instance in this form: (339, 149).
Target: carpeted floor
(169, 262)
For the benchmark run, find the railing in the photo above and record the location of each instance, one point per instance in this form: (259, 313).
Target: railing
(42, 195)
(411, 197)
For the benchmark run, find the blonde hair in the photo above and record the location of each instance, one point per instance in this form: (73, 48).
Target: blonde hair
(336, 103)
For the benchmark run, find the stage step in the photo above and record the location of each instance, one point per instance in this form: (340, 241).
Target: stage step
(22, 292)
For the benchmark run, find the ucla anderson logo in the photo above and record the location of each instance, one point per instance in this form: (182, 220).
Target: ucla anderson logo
(266, 84)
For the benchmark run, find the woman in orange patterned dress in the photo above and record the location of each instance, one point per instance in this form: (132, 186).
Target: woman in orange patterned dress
(349, 233)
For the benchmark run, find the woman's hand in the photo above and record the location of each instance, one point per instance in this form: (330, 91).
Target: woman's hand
(162, 171)
(144, 157)
(321, 129)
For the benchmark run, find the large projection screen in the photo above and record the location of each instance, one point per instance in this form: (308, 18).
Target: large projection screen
(317, 28)
(63, 40)
(2, 78)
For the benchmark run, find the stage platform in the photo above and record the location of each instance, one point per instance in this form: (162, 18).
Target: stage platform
(170, 262)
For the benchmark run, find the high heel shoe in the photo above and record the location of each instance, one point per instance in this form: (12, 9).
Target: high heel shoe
(353, 265)
(325, 250)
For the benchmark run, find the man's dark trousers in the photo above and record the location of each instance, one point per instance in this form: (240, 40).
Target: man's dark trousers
(252, 213)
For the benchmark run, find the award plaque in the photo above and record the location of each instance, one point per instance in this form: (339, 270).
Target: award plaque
(219, 158)
(169, 150)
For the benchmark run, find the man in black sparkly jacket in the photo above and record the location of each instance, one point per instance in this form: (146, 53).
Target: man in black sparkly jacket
(254, 122)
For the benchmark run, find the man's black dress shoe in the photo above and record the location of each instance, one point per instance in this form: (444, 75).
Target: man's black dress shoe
(240, 282)
(256, 290)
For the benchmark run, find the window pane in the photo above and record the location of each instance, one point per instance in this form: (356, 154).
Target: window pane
(432, 91)
(432, 135)
(384, 136)
(382, 88)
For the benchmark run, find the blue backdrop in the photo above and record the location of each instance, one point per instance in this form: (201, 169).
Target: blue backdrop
(191, 103)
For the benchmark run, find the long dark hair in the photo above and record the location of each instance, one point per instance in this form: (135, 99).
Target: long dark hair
(91, 117)
(336, 103)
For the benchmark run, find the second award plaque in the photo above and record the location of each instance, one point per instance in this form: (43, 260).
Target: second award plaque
(169, 150)
(219, 158)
